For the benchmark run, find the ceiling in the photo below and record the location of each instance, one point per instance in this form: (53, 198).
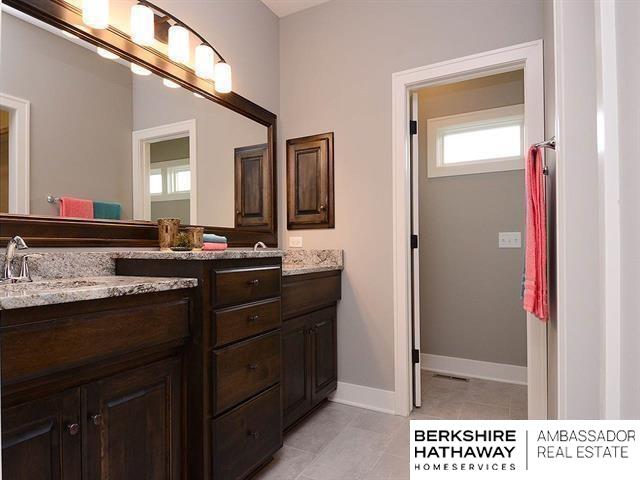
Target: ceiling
(282, 8)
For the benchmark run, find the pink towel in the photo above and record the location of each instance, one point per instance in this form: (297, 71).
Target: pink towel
(76, 207)
(214, 246)
(536, 295)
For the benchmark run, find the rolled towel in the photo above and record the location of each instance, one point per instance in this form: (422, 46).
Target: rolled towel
(107, 210)
(214, 246)
(213, 238)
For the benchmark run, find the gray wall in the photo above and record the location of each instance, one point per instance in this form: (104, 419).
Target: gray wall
(76, 135)
(470, 303)
(336, 62)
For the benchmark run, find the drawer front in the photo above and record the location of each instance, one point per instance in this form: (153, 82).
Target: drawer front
(305, 293)
(244, 369)
(246, 437)
(235, 323)
(56, 344)
(243, 285)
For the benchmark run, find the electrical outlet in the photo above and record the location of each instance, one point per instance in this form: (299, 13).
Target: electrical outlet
(295, 242)
(509, 240)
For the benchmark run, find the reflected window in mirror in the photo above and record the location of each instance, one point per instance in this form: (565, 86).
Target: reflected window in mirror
(170, 180)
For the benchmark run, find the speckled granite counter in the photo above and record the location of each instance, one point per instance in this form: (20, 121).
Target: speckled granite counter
(300, 262)
(50, 292)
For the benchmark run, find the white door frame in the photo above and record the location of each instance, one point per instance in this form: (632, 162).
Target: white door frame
(141, 141)
(19, 110)
(529, 57)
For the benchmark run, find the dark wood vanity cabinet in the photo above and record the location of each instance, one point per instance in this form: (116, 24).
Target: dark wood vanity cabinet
(309, 342)
(234, 363)
(106, 405)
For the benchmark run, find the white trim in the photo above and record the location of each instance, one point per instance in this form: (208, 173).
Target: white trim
(141, 142)
(19, 113)
(529, 56)
(465, 367)
(438, 127)
(364, 397)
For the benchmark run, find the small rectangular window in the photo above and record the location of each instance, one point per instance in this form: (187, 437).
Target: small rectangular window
(476, 142)
(170, 180)
(155, 182)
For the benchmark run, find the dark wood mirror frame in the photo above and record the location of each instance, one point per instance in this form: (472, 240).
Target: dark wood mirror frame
(45, 231)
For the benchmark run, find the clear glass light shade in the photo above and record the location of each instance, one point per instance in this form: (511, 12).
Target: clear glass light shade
(205, 61)
(138, 70)
(95, 13)
(104, 53)
(179, 44)
(168, 83)
(142, 29)
(223, 77)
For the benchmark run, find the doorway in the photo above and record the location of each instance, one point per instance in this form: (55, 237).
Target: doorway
(528, 59)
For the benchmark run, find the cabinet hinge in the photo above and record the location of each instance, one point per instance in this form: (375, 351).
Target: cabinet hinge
(414, 241)
(413, 127)
(415, 354)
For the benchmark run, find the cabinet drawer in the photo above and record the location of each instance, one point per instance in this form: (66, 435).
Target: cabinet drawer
(244, 285)
(244, 369)
(246, 437)
(306, 293)
(236, 323)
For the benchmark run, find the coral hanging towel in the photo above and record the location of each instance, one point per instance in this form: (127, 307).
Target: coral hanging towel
(536, 294)
(76, 207)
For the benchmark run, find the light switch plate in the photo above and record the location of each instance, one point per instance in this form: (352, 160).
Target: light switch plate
(295, 242)
(509, 240)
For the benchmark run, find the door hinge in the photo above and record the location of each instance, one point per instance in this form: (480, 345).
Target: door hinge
(414, 241)
(415, 355)
(413, 127)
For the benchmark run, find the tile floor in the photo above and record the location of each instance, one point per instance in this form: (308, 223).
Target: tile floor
(339, 442)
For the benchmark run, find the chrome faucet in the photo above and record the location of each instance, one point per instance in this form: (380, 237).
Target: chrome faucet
(16, 243)
(259, 245)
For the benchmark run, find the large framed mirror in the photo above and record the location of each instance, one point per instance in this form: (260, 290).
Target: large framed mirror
(90, 116)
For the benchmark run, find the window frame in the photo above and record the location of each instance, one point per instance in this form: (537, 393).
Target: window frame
(438, 127)
(168, 168)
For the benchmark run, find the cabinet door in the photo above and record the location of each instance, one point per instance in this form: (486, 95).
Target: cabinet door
(134, 424)
(253, 186)
(41, 440)
(324, 364)
(310, 197)
(296, 369)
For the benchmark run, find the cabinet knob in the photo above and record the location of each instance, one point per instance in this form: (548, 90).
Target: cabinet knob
(322, 207)
(96, 419)
(238, 212)
(253, 318)
(253, 434)
(73, 428)
(252, 366)
(255, 281)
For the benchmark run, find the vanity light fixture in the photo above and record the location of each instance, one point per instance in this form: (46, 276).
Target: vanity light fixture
(138, 70)
(179, 44)
(223, 77)
(168, 83)
(205, 61)
(95, 13)
(104, 53)
(142, 25)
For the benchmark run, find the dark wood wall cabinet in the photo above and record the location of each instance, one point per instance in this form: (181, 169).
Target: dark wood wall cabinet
(94, 390)
(310, 195)
(309, 342)
(234, 363)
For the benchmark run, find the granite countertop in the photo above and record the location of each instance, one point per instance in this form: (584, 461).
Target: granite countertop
(54, 291)
(229, 253)
(300, 262)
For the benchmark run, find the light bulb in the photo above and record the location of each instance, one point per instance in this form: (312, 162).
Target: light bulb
(179, 44)
(168, 83)
(95, 13)
(205, 61)
(138, 70)
(142, 27)
(223, 77)
(104, 53)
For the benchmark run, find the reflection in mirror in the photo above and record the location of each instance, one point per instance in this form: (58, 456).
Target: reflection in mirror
(113, 137)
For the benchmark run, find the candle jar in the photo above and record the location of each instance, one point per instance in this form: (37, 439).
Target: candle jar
(167, 232)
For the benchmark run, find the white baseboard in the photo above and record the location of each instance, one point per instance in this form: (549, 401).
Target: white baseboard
(463, 367)
(364, 397)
